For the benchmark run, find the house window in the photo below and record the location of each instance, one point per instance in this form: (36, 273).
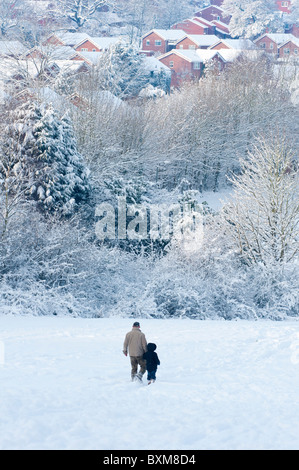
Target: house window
(93, 50)
(286, 51)
(84, 49)
(181, 46)
(171, 64)
(196, 65)
(191, 46)
(295, 51)
(263, 45)
(148, 42)
(158, 42)
(271, 45)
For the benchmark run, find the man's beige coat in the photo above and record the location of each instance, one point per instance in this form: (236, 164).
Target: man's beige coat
(136, 343)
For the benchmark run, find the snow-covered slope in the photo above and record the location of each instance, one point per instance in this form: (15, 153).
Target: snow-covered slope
(65, 384)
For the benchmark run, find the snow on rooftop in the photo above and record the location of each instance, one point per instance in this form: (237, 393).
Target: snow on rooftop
(105, 42)
(198, 55)
(170, 34)
(229, 55)
(11, 48)
(10, 67)
(154, 65)
(92, 57)
(242, 44)
(201, 20)
(62, 52)
(69, 65)
(279, 38)
(203, 39)
(71, 39)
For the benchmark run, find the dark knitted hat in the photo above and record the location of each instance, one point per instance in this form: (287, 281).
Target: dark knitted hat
(136, 324)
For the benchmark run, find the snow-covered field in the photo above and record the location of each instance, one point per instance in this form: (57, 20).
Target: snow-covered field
(65, 384)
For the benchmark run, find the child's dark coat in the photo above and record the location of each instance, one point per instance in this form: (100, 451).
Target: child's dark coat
(152, 360)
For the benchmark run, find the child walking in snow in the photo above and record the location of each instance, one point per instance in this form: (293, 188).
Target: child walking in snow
(152, 362)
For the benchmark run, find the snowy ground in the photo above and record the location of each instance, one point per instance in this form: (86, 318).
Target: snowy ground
(65, 384)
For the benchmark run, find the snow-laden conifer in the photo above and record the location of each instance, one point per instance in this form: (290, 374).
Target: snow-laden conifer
(54, 172)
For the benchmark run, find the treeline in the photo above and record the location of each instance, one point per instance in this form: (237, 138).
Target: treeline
(198, 133)
(235, 129)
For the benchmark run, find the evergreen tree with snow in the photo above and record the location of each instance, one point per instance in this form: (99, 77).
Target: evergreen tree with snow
(122, 71)
(54, 173)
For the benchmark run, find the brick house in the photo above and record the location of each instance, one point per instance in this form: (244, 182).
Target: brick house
(213, 13)
(187, 65)
(198, 41)
(284, 5)
(184, 65)
(289, 49)
(271, 42)
(160, 41)
(192, 26)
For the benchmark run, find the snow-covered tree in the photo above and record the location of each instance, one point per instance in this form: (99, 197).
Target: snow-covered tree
(10, 15)
(263, 216)
(200, 132)
(80, 12)
(293, 17)
(122, 71)
(144, 15)
(250, 18)
(12, 177)
(170, 12)
(55, 173)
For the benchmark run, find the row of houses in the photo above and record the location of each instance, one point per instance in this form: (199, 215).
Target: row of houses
(159, 41)
(186, 55)
(189, 45)
(182, 51)
(78, 52)
(60, 54)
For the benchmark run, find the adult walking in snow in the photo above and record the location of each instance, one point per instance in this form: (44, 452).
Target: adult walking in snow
(135, 342)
